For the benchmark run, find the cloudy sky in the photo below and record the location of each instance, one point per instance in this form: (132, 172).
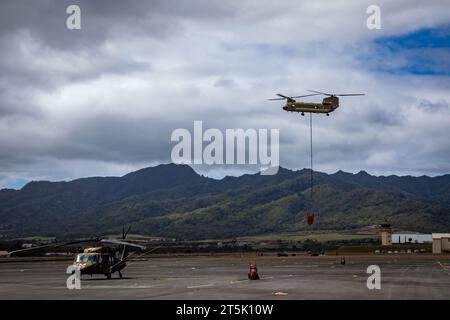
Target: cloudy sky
(105, 99)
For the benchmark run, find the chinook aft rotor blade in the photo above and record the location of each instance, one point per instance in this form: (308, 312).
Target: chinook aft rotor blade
(340, 95)
(318, 92)
(349, 94)
(306, 95)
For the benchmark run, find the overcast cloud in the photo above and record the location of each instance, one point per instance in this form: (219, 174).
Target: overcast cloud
(104, 100)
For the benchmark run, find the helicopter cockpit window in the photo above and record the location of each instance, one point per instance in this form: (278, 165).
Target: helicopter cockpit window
(86, 258)
(81, 258)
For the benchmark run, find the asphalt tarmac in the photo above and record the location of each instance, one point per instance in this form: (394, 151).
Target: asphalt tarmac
(402, 277)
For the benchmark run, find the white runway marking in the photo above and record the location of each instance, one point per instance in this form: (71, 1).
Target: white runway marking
(112, 287)
(238, 281)
(201, 286)
(442, 266)
(14, 270)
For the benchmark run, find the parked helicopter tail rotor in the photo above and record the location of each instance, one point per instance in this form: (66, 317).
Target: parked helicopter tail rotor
(124, 234)
(337, 95)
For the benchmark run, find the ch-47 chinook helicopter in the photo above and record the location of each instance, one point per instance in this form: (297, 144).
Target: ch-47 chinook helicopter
(108, 257)
(329, 104)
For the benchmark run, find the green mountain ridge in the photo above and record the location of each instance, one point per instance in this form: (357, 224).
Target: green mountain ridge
(174, 201)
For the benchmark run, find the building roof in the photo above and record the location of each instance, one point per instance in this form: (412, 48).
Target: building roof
(414, 234)
(440, 235)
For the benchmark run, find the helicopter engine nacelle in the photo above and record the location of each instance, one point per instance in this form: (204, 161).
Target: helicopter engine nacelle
(332, 101)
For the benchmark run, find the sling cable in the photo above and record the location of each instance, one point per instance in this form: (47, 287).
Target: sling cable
(328, 105)
(310, 216)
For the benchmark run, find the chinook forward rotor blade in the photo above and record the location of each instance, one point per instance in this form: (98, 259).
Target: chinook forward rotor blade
(283, 97)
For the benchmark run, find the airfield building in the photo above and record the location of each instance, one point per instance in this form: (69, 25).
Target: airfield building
(411, 238)
(386, 232)
(441, 243)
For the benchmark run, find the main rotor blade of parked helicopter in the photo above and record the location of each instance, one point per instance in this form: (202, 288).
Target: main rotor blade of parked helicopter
(52, 245)
(133, 255)
(113, 241)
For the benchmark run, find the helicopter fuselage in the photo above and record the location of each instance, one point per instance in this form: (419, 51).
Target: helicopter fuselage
(105, 263)
(328, 105)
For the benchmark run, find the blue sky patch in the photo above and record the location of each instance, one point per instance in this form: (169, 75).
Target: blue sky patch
(423, 52)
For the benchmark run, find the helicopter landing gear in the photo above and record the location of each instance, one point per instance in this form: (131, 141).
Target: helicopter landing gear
(108, 275)
(303, 113)
(120, 274)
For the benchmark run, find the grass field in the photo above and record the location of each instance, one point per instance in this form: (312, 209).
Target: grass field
(40, 239)
(321, 237)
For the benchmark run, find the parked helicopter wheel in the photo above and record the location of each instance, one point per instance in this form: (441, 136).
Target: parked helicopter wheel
(108, 275)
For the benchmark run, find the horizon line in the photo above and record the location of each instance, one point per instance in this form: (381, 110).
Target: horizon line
(226, 176)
